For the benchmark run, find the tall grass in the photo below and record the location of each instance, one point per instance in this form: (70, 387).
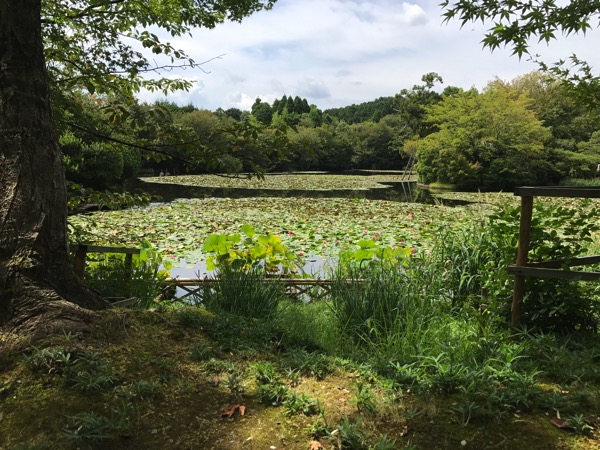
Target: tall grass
(245, 293)
(108, 274)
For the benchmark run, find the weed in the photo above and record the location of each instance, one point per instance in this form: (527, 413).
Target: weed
(364, 399)
(318, 428)
(201, 352)
(296, 404)
(243, 293)
(165, 369)
(466, 409)
(86, 427)
(216, 366)
(412, 412)
(579, 424)
(234, 382)
(310, 364)
(140, 390)
(48, 360)
(272, 394)
(384, 442)
(88, 372)
(348, 435)
(265, 372)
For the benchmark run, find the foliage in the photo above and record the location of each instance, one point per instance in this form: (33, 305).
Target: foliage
(242, 292)
(108, 273)
(295, 404)
(306, 226)
(487, 140)
(370, 255)
(80, 197)
(515, 23)
(372, 111)
(254, 251)
(556, 233)
(412, 104)
(85, 45)
(92, 427)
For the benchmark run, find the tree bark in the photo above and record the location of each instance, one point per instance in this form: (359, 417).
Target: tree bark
(36, 276)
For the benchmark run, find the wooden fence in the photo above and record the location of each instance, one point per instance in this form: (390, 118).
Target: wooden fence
(556, 269)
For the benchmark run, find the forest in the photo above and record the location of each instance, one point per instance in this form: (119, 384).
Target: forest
(522, 131)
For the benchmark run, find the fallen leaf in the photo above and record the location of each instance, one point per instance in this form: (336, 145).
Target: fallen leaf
(560, 423)
(315, 445)
(230, 411)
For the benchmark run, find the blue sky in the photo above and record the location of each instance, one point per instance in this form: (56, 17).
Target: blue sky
(339, 52)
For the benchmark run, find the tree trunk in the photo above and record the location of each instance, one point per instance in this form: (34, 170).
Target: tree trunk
(36, 277)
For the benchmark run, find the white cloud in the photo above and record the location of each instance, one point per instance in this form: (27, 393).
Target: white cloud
(309, 87)
(339, 52)
(413, 14)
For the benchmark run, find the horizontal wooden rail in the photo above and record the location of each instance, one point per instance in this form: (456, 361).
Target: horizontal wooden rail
(557, 191)
(81, 256)
(556, 274)
(547, 269)
(295, 285)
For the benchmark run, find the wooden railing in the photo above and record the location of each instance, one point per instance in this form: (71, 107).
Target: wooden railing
(293, 286)
(555, 269)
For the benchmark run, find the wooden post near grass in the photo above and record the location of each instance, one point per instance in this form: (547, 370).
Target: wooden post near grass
(554, 269)
(522, 251)
(83, 250)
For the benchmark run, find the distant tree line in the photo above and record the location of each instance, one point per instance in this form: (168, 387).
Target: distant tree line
(526, 131)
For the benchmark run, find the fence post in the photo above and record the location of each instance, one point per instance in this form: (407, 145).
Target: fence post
(79, 262)
(523, 250)
(128, 273)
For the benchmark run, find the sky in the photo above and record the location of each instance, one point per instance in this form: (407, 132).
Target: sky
(337, 53)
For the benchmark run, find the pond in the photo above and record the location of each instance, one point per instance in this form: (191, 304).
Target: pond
(315, 221)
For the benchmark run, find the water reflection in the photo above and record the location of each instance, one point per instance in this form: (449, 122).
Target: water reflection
(315, 267)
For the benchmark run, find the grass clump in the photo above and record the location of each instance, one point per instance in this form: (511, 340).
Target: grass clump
(243, 293)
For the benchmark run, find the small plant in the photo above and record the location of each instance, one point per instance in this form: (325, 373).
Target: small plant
(272, 394)
(310, 364)
(234, 382)
(109, 274)
(408, 375)
(412, 412)
(318, 428)
(579, 424)
(91, 427)
(216, 366)
(348, 435)
(364, 399)
(265, 373)
(51, 360)
(201, 352)
(140, 390)
(466, 409)
(384, 442)
(243, 293)
(296, 404)
(250, 250)
(88, 372)
(293, 376)
(165, 370)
